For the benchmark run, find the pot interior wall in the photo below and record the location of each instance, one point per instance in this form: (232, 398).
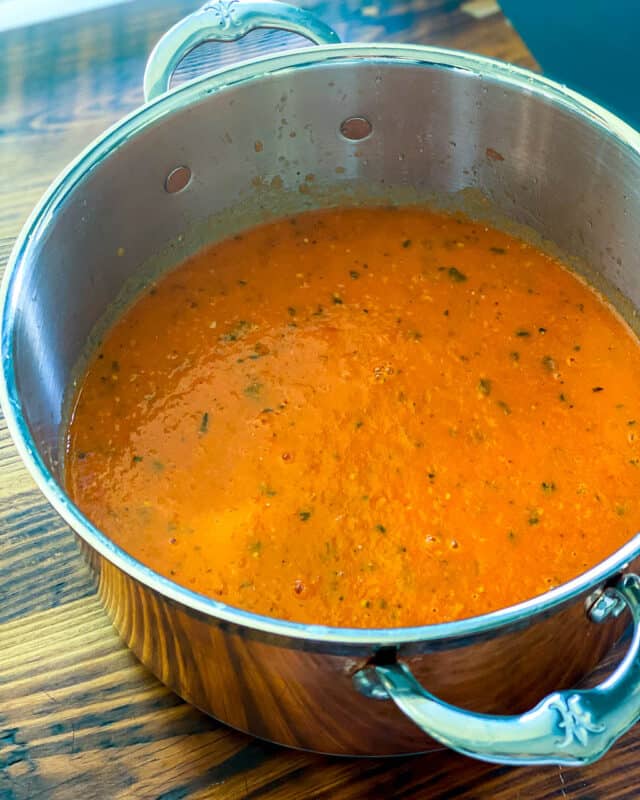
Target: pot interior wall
(273, 146)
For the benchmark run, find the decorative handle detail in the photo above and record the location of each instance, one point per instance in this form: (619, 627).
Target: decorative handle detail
(226, 21)
(569, 728)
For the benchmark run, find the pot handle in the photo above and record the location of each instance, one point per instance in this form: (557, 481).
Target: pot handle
(567, 728)
(226, 21)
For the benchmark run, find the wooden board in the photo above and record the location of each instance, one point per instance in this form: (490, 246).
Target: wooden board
(79, 717)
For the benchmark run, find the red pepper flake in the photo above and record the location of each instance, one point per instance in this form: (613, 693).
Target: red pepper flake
(286, 456)
(298, 586)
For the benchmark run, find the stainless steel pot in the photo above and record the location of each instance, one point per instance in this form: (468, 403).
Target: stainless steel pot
(283, 133)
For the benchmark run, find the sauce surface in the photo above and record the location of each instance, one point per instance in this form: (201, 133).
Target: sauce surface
(364, 417)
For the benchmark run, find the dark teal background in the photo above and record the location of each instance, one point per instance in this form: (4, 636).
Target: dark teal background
(591, 45)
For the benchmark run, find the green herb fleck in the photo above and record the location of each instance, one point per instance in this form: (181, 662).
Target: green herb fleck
(359, 424)
(238, 331)
(354, 274)
(337, 300)
(246, 585)
(253, 390)
(406, 243)
(204, 422)
(499, 250)
(260, 349)
(511, 536)
(549, 364)
(381, 528)
(577, 348)
(598, 389)
(255, 548)
(534, 519)
(266, 490)
(548, 486)
(242, 282)
(456, 276)
(304, 515)
(484, 386)
(291, 311)
(514, 356)
(504, 406)
(137, 459)
(620, 510)
(523, 333)
(158, 466)
(115, 366)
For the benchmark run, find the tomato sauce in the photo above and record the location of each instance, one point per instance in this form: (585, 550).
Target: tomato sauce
(364, 417)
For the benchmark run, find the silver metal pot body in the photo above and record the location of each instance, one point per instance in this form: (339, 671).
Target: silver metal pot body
(264, 139)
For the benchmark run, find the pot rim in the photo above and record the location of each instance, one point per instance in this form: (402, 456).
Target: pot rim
(480, 67)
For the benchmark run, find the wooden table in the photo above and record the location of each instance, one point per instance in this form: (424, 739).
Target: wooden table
(79, 717)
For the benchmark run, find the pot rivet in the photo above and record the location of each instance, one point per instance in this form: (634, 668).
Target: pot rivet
(177, 179)
(367, 683)
(356, 128)
(605, 605)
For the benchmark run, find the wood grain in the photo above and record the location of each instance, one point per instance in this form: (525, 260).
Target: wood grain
(79, 716)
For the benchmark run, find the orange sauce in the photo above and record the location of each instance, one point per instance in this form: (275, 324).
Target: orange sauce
(366, 417)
